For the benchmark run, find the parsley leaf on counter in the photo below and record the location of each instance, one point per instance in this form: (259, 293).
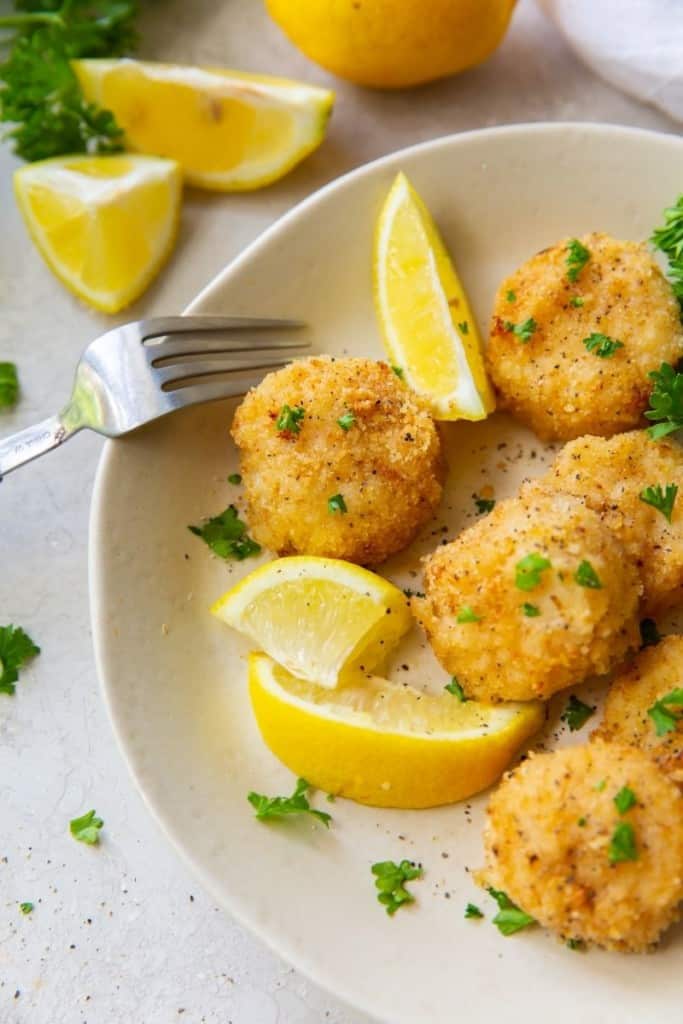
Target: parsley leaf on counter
(661, 498)
(601, 345)
(289, 420)
(9, 385)
(283, 806)
(456, 689)
(16, 647)
(510, 918)
(522, 331)
(666, 712)
(622, 845)
(669, 240)
(586, 576)
(26, 908)
(576, 713)
(528, 571)
(86, 829)
(577, 258)
(390, 879)
(666, 401)
(226, 535)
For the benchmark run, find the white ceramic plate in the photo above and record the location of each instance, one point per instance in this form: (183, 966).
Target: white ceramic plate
(174, 678)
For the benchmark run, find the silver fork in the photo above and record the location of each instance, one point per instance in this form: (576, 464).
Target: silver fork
(143, 370)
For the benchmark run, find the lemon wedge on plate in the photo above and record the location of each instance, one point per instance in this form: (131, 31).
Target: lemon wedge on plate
(427, 323)
(228, 130)
(319, 617)
(104, 224)
(386, 744)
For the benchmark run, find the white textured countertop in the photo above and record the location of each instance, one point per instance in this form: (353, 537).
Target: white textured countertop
(122, 932)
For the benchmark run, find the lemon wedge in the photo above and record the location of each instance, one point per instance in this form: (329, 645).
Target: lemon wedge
(427, 323)
(228, 130)
(319, 617)
(386, 744)
(104, 224)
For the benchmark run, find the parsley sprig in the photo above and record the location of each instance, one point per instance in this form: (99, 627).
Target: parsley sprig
(667, 711)
(227, 535)
(576, 713)
(9, 383)
(510, 918)
(289, 419)
(390, 879)
(16, 648)
(669, 240)
(577, 258)
(661, 498)
(666, 401)
(602, 345)
(267, 807)
(625, 800)
(522, 331)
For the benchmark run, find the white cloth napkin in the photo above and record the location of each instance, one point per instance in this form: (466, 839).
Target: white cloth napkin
(636, 45)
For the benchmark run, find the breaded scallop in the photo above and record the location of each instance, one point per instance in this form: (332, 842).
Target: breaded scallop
(653, 674)
(551, 381)
(554, 835)
(611, 475)
(359, 490)
(509, 633)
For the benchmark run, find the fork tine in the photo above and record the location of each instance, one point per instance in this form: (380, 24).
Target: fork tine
(168, 376)
(231, 387)
(170, 349)
(157, 327)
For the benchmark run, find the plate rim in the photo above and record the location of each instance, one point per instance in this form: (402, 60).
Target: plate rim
(97, 504)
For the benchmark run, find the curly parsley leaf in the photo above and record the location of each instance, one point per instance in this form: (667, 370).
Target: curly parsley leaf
(522, 331)
(510, 918)
(622, 845)
(86, 829)
(26, 908)
(669, 240)
(267, 807)
(576, 713)
(528, 571)
(666, 401)
(625, 800)
(289, 419)
(9, 385)
(661, 498)
(577, 258)
(667, 711)
(456, 689)
(602, 345)
(16, 648)
(586, 576)
(227, 535)
(390, 879)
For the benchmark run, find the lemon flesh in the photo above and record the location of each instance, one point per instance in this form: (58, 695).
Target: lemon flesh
(228, 130)
(105, 225)
(319, 617)
(386, 744)
(427, 323)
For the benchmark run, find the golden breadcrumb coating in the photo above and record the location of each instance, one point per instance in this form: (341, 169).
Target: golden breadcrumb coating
(578, 631)
(653, 674)
(547, 842)
(551, 382)
(611, 475)
(388, 466)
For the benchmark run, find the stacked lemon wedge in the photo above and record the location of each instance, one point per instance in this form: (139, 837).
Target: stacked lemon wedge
(326, 626)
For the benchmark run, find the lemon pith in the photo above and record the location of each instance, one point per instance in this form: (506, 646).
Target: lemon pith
(319, 617)
(384, 744)
(427, 322)
(104, 225)
(229, 130)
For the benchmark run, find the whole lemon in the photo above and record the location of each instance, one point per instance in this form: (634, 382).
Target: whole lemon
(394, 43)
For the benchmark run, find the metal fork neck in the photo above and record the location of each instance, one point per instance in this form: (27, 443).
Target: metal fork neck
(28, 444)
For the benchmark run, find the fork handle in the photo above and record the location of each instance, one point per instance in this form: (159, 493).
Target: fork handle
(28, 444)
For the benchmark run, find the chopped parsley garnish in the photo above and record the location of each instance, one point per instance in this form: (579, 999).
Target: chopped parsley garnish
(473, 911)
(576, 301)
(510, 918)
(522, 331)
(577, 258)
(622, 845)
(235, 478)
(26, 908)
(669, 240)
(86, 829)
(456, 689)
(649, 634)
(16, 647)
(600, 786)
(528, 571)
(464, 327)
(660, 498)
(666, 712)
(9, 384)
(484, 505)
(413, 593)
(289, 420)
(576, 944)
(466, 614)
(582, 822)
(398, 370)
(347, 420)
(267, 807)
(666, 401)
(390, 879)
(602, 345)
(576, 713)
(337, 504)
(227, 535)
(510, 296)
(531, 610)
(625, 800)
(586, 576)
